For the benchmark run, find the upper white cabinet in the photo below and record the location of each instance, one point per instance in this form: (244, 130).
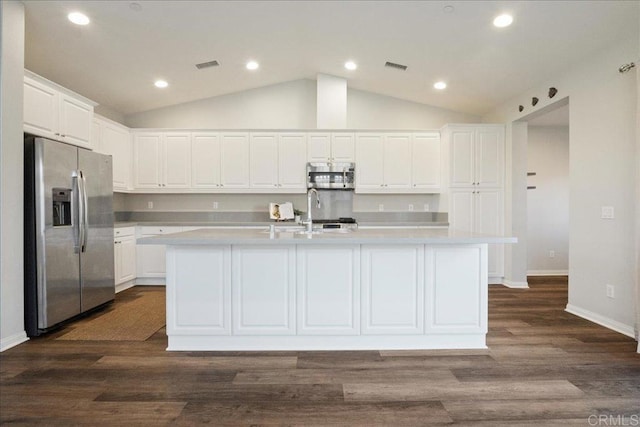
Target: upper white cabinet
(205, 160)
(277, 161)
(396, 162)
(234, 160)
(55, 112)
(331, 147)
(477, 155)
(114, 139)
(162, 160)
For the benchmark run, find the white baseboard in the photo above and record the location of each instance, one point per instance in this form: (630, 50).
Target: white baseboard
(547, 272)
(602, 320)
(126, 285)
(514, 284)
(13, 340)
(150, 281)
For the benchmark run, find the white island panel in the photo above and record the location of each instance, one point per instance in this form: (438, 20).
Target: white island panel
(263, 282)
(199, 290)
(329, 290)
(392, 289)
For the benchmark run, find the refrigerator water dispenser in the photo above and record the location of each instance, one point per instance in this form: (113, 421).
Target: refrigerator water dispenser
(61, 206)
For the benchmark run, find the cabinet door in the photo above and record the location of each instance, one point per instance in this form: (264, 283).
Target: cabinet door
(117, 142)
(488, 220)
(489, 151)
(397, 161)
(96, 136)
(370, 166)
(462, 157)
(425, 162)
(461, 210)
(117, 261)
(292, 160)
(263, 170)
(40, 109)
(150, 261)
(318, 147)
(128, 265)
(147, 160)
(263, 290)
(76, 119)
(177, 160)
(343, 147)
(205, 160)
(392, 289)
(234, 160)
(328, 298)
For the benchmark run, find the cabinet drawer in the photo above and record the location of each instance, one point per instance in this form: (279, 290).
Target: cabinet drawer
(149, 231)
(124, 231)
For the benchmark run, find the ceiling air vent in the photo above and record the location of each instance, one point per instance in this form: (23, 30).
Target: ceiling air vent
(396, 66)
(207, 64)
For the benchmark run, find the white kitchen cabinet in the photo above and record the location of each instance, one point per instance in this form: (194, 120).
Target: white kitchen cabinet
(114, 139)
(263, 290)
(263, 154)
(57, 113)
(397, 309)
(328, 299)
(480, 211)
(150, 259)
(331, 147)
(476, 155)
(234, 160)
(426, 167)
(205, 160)
(384, 162)
(124, 245)
(292, 154)
(162, 160)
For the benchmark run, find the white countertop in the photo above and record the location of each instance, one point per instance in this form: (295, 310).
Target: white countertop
(287, 237)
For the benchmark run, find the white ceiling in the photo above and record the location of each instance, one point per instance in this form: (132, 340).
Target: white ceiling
(116, 58)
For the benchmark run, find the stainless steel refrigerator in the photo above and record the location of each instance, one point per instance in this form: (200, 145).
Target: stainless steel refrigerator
(68, 227)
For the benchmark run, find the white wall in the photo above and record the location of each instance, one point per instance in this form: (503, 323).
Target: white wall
(331, 107)
(603, 161)
(11, 174)
(292, 105)
(548, 203)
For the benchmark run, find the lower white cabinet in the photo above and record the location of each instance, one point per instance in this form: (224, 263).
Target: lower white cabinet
(151, 262)
(328, 290)
(392, 289)
(124, 246)
(263, 290)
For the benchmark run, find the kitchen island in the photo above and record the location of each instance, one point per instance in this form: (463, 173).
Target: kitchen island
(332, 290)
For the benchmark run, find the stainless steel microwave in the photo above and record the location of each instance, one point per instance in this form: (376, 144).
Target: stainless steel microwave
(331, 176)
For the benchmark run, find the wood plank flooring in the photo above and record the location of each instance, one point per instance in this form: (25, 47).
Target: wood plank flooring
(544, 367)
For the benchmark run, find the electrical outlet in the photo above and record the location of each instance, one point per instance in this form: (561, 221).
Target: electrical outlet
(410, 208)
(607, 212)
(552, 254)
(215, 205)
(149, 205)
(610, 291)
(380, 207)
(426, 207)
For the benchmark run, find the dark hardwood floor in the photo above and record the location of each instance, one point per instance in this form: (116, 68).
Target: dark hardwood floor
(544, 367)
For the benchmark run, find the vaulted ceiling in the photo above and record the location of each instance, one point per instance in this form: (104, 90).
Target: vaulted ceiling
(116, 58)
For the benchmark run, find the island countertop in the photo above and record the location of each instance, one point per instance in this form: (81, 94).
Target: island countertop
(288, 236)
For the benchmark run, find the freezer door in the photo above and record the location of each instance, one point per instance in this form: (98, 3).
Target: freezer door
(57, 261)
(96, 257)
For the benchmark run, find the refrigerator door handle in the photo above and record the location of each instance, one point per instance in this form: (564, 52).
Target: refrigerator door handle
(82, 212)
(77, 218)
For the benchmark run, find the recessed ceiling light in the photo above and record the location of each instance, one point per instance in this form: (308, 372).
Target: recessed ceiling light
(350, 65)
(440, 85)
(78, 18)
(161, 84)
(503, 20)
(252, 65)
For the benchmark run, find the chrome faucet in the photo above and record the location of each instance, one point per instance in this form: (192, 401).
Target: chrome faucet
(309, 221)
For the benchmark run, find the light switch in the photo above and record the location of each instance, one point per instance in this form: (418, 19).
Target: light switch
(607, 212)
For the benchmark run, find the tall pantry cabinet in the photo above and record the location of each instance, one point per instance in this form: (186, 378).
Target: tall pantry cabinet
(476, 184)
